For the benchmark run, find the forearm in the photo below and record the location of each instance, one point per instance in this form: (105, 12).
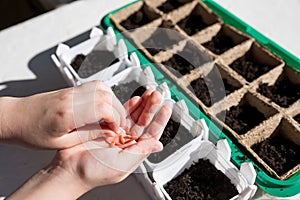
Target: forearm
(53, 182)
(9, 116)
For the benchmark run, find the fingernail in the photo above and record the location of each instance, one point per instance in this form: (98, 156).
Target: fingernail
(135, 100)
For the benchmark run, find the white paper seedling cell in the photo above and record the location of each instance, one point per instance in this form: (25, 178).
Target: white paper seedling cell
(196, 128)
(97, 41)
(242, 179)
(144, 77)
(142, 177)
(133, 74)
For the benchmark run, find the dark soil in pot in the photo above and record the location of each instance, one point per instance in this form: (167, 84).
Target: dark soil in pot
(173, 137)
(279, 153)
(201, 181)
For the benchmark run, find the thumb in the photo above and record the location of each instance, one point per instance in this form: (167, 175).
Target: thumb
(85, 134)
(157, 147)
(145, 147)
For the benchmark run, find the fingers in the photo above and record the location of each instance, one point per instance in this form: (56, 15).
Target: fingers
(132, 156)
(115, 101)
(92, 132)
(120, 108)
(83, 135)
(132, 104)
(143, 148)
(150, 109)
(149, 141)
(88, 113)
(95, 101)
(144, 113)
(110, 116)
(142, 116)
(112, 101)
(137, 112)
(157, 126)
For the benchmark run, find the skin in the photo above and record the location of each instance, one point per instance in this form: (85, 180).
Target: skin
(83, 150)
(56, 120)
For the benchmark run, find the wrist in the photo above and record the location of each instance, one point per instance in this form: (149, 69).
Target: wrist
(8, 120)
(52, 182)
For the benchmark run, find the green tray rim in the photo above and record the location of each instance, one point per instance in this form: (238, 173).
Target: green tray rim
(273, 186)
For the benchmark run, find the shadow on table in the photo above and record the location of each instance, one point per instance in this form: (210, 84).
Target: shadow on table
(48, 77)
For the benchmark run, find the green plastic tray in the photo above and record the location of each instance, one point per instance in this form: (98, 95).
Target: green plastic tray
(273, 186)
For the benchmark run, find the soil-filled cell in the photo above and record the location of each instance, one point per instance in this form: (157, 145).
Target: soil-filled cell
(201, 91)
(279, 153)
(125, 91)
(173, 137)
(77, 61)
(162, 39)
(249, 113)
(171, 5)
(186, 60)
(283, 92)
(179, 64)
(201, 181)
(219, 44)
(214, 87)
(92, 63)
(254, 63)
(197, 20)
(192, 24)
(139, 18)
(225, 39)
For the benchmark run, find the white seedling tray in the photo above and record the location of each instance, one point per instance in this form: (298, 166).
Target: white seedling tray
(197, 128)
(97, 41)
(144, 77)
(219, 156)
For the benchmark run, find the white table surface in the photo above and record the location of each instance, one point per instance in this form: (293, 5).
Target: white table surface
(26, 68)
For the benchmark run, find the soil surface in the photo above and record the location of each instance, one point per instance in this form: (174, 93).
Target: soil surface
(283, 92)
(125, 91)
(242, 118)
(192, 24)
(173, 137)
(279, 153)
(201, 181)
(249, 68)
(93, 62)
(297, 118)
(219, 44)
(179, 64)
(77, 61)
(185, 61)
(160, 40)
(136, 20)
(210, 91)
(170, 5)
(201, 91)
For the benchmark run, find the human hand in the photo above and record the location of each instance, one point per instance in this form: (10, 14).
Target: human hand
(95, 163)
(63, 118)
(114, 163)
